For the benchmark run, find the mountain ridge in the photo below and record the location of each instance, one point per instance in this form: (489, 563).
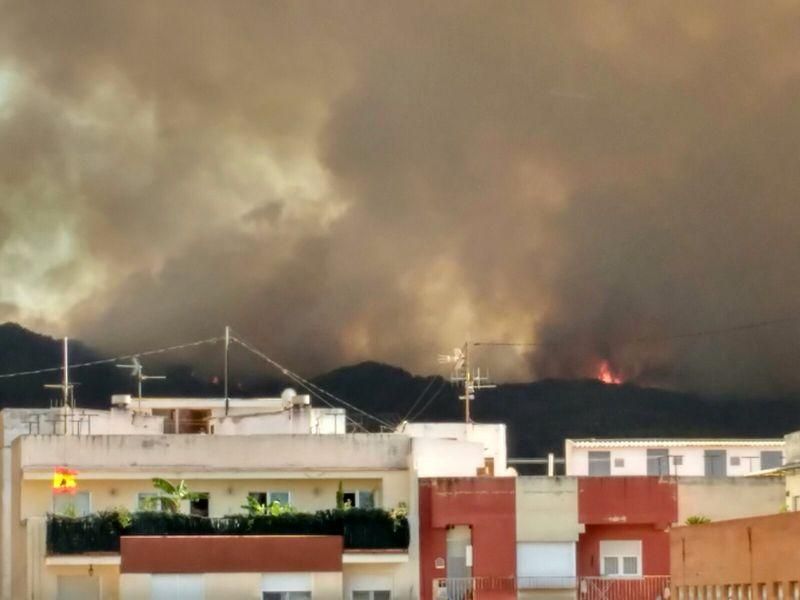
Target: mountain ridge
(539, 415)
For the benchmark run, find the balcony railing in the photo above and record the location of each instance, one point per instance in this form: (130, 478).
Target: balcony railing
(367, 529)
(586, 588)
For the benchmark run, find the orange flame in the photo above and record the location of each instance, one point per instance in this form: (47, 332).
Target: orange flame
(606, 376)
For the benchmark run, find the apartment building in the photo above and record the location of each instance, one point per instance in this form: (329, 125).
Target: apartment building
(674, 457)
(274, 449)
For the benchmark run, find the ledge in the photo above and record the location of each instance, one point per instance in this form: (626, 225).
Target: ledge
(363, 557)
(66, 560)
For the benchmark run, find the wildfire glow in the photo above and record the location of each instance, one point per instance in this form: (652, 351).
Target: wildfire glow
(605, 375)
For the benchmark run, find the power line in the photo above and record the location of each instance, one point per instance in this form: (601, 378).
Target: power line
(307, 384)
(104, 361)
(432, 398)
(414, 405)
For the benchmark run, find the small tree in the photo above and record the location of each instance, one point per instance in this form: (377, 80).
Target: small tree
(697, 520)
(275, 508)
(173, 494)
(340, 496)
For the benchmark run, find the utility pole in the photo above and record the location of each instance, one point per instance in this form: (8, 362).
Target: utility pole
(225, 377)
(462, 373)
(64, 386)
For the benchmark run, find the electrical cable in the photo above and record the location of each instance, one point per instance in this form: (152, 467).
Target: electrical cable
(103, 361)
(432, 398)
(307, 384)
(422, 395)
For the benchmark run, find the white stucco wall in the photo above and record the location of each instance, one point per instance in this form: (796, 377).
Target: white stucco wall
(693, 459)
(492, 437)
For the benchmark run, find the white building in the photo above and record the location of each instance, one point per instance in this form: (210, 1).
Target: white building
(275, 448)
(676, 457)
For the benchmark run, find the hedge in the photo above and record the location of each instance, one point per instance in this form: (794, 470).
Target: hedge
(360, 528)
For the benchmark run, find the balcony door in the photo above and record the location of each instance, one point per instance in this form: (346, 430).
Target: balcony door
(459, 551)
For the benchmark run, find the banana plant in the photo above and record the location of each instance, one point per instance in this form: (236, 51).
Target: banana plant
(173, 494)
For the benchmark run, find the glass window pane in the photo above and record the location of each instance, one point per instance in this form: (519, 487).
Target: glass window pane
(271, 596)
(630, 565)
(71, 505)
(361, 596)
(366, 500)
(282, 497)
(610, 566)
(599, 463)
(298, 596)
(382, 595)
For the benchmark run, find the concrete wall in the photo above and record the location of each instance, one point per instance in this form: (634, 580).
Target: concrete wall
(446, 458)
(488, 506)
(755, 551)
(693, 460)
(233, 586)
(547, 509)
(492, 437)
(210, 452)
(627, 500)
(226, 496)
(729, 497)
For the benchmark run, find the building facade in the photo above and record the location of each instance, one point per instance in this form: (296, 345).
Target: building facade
(671, 457)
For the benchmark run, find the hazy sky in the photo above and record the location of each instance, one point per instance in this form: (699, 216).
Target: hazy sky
(351, 180)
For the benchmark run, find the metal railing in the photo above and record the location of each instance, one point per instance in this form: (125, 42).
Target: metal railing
(585, 588)
(469, 588)
(547, 583)
(653, 587)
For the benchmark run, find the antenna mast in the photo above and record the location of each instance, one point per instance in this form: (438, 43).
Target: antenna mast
(65, 386)
(227, 354)
(137, 371)
(462, 373)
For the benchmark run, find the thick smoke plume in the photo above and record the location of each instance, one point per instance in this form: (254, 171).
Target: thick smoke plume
(342, 181)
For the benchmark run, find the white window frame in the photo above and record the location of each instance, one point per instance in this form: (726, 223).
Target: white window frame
(87, 493)
(357, 493)
(620, 550)
(270, 499)
(370, 592)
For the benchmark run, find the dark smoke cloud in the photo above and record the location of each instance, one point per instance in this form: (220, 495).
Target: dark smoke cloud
(342, 181)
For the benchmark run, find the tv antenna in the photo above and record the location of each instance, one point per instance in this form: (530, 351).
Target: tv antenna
(67, 396)
(137, 371)
(462, 374)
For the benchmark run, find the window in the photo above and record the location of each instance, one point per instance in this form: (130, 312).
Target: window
(283, 497)
(599, 464)
(72, 505)
(677, 460)
(735, 461)
(286, 586)
(372, 595)
(657, 461)
(619, 462)
(545, 564)
(199, 506)
(621, 558)
(78, 587)
(716, 463)
(151, 501)
(771, 459)
(177, 587)
(359, 499)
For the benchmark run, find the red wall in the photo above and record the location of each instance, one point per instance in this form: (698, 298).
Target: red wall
(488, 505)
(230, 554)
(626, 508)
(627, 500)
(655, 547)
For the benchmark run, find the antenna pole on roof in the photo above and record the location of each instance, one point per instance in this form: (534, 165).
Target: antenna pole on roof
(65, 386)
(462, 374)
(225, 376)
